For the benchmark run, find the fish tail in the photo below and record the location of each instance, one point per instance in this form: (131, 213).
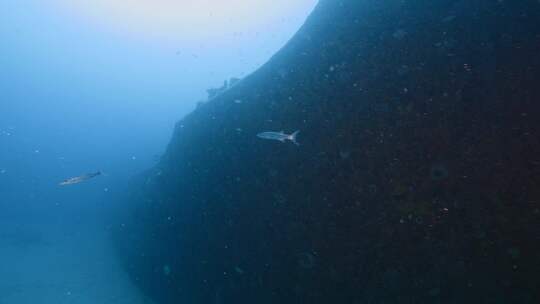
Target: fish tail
(293, 137)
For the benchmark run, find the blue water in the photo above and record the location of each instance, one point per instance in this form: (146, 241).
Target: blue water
(78, 96)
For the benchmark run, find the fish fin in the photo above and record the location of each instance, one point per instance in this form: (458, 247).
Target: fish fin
(293, 136)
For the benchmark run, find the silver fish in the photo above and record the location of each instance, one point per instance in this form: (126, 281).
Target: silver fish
(79, 179)
(281, 136)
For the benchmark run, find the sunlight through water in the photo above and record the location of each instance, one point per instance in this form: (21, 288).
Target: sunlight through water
(188, 20)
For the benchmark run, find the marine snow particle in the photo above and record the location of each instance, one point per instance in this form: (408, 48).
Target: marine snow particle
(435, 292)
(438, 172)
(514, 252)
(166, 270)
(344, 154)
(372, 188)
(306, 260)
(399, 34)
(282, 73)
(273, 172)
(449, 18)
(404, 69)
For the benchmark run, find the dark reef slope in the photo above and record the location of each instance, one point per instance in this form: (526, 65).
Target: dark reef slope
(417, 179)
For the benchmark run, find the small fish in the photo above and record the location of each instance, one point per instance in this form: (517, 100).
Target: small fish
(281, 136)
(79, 179)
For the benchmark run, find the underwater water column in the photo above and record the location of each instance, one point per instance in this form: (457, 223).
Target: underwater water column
(416, 179)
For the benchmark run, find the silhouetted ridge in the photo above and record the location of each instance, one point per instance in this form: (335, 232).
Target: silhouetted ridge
(417, 178)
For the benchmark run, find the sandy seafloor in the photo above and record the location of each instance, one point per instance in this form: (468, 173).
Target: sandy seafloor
(59, 261)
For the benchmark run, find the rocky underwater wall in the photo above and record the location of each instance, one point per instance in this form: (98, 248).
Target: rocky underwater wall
(417, 177)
